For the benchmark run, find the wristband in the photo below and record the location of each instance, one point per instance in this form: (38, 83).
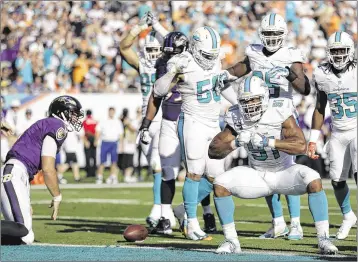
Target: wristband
(314, 135)
(271, 143)
(291, 76)
(145, 123)
(57, 198)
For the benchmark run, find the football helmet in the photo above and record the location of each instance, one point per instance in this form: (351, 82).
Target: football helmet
(253, 98)
(175, 43)
(152, 46)
(273, 31)
(69, 110)
(340, 49)
(205, 47)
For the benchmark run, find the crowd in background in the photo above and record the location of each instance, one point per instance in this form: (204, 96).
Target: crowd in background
(73, 46)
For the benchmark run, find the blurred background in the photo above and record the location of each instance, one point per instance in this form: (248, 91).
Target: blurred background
(50, 48)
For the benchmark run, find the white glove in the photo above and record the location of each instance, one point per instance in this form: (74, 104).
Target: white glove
(179, 64)
(259, 140)
(144, 136)
(143, 25)
(277, 75)
(243, 137)
(55, 204)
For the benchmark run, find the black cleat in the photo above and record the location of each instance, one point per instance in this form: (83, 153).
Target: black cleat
(209, 223)
(163, 227)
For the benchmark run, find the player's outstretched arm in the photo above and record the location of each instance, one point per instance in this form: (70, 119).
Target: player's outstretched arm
(294, 142)
(241, 68)
(298, 79)
(223, 143)
(153, 107)
(125, 46)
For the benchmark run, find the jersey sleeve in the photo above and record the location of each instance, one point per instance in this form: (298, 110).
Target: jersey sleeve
(49, 147)
(253, 48)
(233, 118)
(318, 78)
(297, 55)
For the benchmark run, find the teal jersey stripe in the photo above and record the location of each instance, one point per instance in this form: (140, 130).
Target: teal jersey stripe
(272, 19)
(213, 37)
(338, 37)
(247, 84)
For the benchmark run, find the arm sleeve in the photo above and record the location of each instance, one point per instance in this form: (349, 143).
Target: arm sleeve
(162, 85)
(49, 147)
(230, 95)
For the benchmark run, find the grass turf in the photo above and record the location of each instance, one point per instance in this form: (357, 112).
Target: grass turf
(99, 216)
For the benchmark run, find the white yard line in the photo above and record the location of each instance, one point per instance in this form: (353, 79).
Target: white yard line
(326, 184)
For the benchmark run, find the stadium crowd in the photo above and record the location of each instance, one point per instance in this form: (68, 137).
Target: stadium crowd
(73, 46)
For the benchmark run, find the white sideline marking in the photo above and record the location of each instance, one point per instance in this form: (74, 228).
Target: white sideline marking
(326, 184)
(278, 252)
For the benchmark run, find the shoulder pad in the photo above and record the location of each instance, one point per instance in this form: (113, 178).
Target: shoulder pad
(318, 76)
(253, 48)
(279, 110)
(297, 55)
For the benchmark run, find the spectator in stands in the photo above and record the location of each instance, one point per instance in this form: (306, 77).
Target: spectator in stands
(12, 115)
(71, 146)
(90, 148)
(25, 123)
(127, 147)
(109, 131)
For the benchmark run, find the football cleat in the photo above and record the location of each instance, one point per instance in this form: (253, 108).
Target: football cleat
(229, 246)
(296, 232)
(277, 230)
(194, 232)
(346, 227)
(163, 227)
(209, 223)
(151, 222)
(326, 247)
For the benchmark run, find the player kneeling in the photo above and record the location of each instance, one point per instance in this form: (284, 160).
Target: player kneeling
(268, 131)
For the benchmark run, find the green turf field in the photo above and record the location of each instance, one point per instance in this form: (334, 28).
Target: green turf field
(98, 216)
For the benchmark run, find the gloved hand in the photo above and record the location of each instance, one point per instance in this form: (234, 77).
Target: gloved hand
(259, 140)
(277, 75)
(243, 137)
(178, 65)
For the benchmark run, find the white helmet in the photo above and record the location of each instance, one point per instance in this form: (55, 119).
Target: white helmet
(340, 49)
(273, 31)
(251, 88)
(205, 47)
(152, 46)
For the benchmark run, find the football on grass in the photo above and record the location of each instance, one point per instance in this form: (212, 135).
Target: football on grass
(135, 233)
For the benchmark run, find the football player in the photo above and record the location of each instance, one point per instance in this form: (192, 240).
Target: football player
(169, 147)
(196, 73)
(144, 63)
(282, 70)
(336, 82)
(269, 132)
(36, 150)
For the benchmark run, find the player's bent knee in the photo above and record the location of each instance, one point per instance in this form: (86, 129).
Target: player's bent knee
(221, 191)
(309, 175)
(338, 184)
(315, 186)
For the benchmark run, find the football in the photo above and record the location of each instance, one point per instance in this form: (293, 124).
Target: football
(135, 233)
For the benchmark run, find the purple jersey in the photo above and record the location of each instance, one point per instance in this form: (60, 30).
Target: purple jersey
(172, 103)
(27, 148)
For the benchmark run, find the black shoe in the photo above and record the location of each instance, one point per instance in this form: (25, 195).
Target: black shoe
(163, 227)
(209, 223)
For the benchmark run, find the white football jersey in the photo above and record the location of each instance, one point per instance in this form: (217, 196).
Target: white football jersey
(341, 96)
(270, 125)
(147, 80)
(261, 64)
(200, 99)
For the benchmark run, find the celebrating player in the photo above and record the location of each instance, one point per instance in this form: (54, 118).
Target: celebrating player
(268, 131)
(196, 73)
(336, 82)
(281, 69)
(144, 63)
(36, 150)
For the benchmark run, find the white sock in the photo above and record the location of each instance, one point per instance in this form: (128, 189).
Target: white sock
(207, 210)
(99, 176)
(156, 211)
(348, 216)
(295, 220)
(322, 228)
(279, 220)
(166, 210)
(229, 231)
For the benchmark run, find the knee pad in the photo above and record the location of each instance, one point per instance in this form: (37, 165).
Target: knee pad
(169, 173)
(338, 184)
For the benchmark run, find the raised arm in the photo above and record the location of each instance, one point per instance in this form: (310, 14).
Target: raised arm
(125, 46)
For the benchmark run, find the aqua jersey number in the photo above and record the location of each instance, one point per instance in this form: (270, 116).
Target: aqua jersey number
(274, 89)
(205, 96)
(338, 112)
(146, 82)
(260, 154)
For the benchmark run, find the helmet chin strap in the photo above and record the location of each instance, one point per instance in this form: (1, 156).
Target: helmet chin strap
(68, 125)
